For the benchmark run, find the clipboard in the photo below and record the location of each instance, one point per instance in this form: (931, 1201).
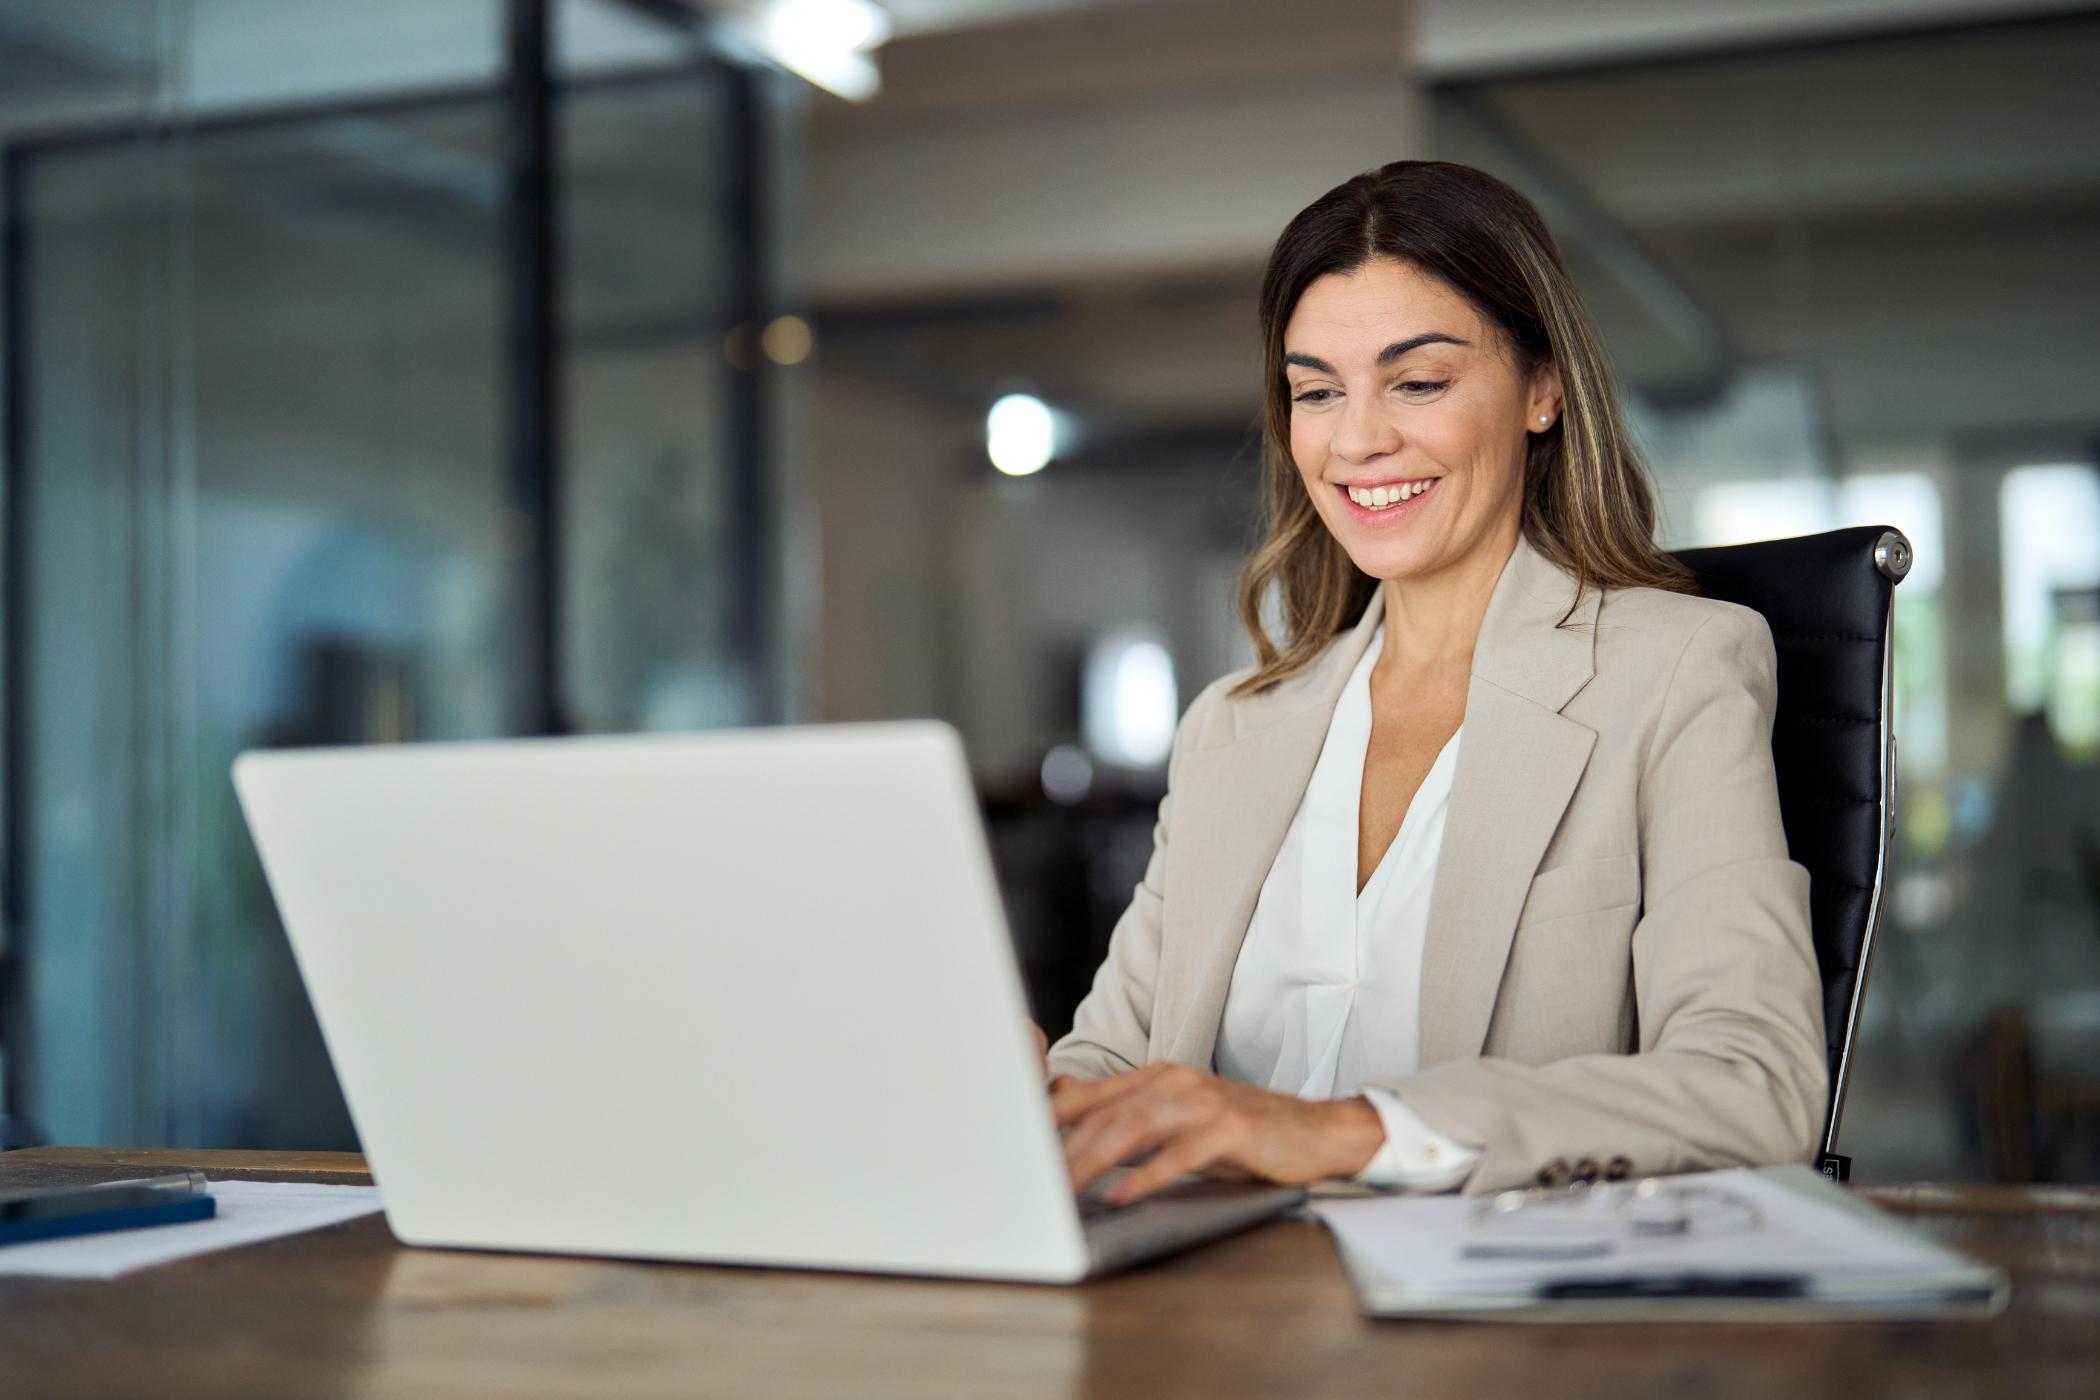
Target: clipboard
(1796, 1248)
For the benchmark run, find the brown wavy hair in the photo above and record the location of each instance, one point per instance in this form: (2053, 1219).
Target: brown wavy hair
(1587, 502)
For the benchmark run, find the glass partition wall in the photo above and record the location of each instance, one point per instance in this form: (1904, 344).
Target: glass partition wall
(268, 483)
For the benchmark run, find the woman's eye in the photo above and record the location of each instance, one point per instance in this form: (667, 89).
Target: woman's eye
(1413, 386)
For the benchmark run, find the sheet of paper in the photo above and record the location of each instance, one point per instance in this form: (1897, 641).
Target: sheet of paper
(1421, 1243)
(248, 1211)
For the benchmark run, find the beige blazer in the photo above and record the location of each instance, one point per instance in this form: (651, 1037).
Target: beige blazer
(1617, 962)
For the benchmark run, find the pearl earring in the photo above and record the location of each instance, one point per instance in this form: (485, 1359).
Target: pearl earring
(1545, 418)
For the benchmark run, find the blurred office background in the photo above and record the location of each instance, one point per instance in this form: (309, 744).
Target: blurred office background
(427, 369)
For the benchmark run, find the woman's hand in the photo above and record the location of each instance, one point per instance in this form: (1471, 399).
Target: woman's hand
(1191, 1121)
(1042, 1048)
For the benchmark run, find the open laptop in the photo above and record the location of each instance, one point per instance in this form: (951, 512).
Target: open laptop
(744, 998)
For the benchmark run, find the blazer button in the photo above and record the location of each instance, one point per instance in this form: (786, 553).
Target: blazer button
(1618, 1169)
(1555, 1173)
(1586, 1169)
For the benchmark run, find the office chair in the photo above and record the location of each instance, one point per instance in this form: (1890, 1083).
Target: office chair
(1830, 601)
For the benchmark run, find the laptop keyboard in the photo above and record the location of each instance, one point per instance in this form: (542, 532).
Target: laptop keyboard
(1119, 1235)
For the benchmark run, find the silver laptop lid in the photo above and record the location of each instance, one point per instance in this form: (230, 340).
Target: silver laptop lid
(742, 997)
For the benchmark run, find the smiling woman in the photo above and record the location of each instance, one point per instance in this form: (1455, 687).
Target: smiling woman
(1477, 877)
(1435, 287)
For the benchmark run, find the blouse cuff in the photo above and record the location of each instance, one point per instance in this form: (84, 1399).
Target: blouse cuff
(1415, 1157)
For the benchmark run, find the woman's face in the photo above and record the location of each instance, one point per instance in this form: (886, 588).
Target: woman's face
(1409, 419)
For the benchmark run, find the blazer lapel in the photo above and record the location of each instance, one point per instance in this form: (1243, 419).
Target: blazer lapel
(1517, 769)
(1237, 802)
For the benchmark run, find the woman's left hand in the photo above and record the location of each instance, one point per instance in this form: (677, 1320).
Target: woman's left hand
(1191, 1121)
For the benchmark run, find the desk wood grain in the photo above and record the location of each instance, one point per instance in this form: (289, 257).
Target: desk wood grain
(347, 1311)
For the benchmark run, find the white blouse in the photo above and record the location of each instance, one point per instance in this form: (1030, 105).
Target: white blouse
(1327, 990)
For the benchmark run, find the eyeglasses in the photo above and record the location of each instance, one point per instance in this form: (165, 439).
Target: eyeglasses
(1587, 1220)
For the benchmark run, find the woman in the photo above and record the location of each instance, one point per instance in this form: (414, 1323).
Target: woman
(1477, 878)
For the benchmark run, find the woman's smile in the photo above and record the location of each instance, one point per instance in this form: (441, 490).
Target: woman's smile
(1384, 503)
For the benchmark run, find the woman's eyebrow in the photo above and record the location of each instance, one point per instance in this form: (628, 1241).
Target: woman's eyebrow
(1385, 357)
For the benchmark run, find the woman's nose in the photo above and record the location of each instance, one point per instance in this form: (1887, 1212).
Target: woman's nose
(1364, 434)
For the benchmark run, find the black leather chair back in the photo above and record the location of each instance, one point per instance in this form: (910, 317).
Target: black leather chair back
(1829, 600)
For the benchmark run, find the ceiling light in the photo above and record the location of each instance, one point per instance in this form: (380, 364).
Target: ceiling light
(827, 42)
(1020, 434)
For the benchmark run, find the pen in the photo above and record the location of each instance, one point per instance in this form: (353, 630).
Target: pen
(171, 1184)
(1681, 1286)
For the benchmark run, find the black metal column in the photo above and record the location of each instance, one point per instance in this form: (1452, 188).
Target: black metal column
(14, 646)
(533, 384)
(750, 301)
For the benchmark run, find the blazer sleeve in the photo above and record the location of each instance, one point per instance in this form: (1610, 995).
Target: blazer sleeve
(1731, 1066)
(1112, 1029)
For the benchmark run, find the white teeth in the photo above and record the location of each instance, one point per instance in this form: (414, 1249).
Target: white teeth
(1379, 497)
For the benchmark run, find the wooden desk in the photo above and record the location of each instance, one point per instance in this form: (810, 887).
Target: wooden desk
(346, 1311)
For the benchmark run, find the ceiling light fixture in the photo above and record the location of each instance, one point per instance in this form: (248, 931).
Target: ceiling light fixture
(1020, 434)
(829, 42)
